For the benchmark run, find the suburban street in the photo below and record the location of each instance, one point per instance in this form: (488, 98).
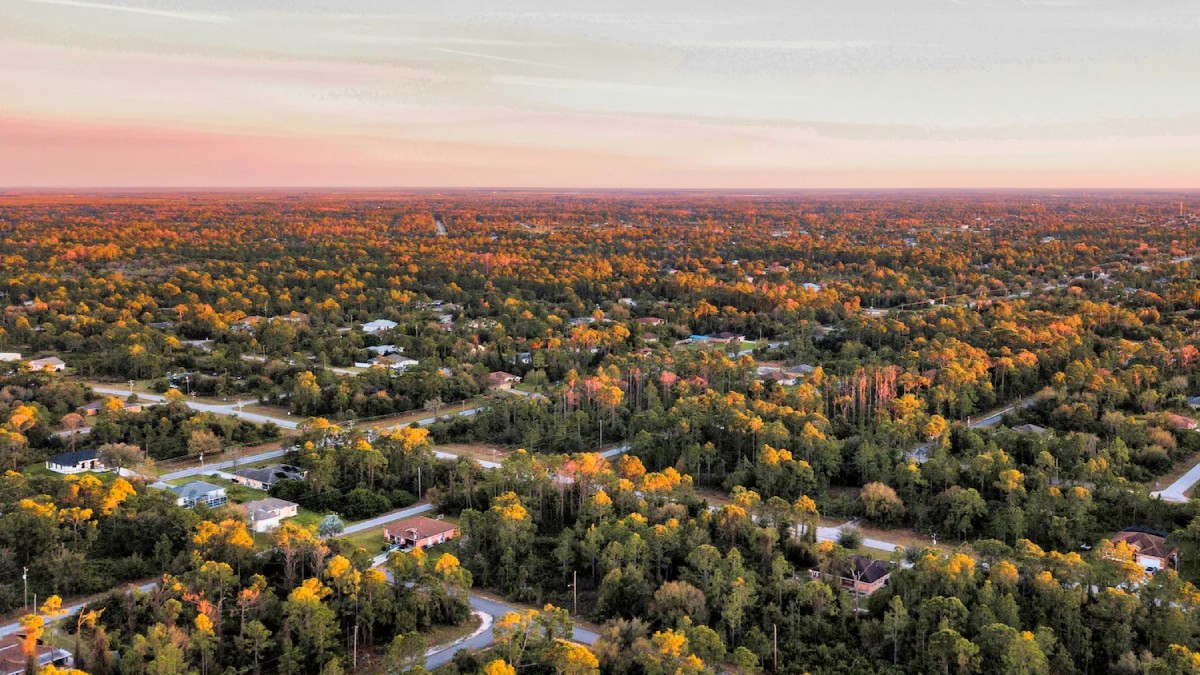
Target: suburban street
(1177, 491)
(219, 409)
(69, 611)
(387, 518)
(921, 452)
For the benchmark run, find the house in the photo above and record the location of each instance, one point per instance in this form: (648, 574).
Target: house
(247, 323)
(96, 407)
(198, 492)
(1149, 550)
(419, 532)
(1193, 401)
(1179, 421)
(810, 286)
(861, 576)
(263, 478)
(52, 363)
(650, 338)
(502, 380)
(384, 350)
(649, 321)
(784, 379)
(10, 356)
(724, 338)
(379, 325)
(12, 657)
(801, 370)
(266, 515)
(1031, 429)
(394, 362)
(76, 461)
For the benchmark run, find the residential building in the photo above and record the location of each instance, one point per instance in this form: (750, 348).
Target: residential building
(10, 356)
(95, 407)
(861, 576)
(267, 514)
(1031, 429)
(801, 370)
(76, 461)
(263, 478)
(724, 338)
(12, 657)
(52, 363)
(394, 361)
(502, 380)
(1149, 550)
(379, 326)
(384, 350)
(419, 532)
(247, 323)
(198, 492)
(1180, 422)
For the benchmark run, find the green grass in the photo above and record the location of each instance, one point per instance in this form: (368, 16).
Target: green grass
(370, 539)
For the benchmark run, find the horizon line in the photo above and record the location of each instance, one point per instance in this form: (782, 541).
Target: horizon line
(8, 190)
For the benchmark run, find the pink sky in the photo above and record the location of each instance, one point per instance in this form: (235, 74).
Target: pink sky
(175, 93)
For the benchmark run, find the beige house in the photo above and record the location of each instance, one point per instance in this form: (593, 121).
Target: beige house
(267, 514)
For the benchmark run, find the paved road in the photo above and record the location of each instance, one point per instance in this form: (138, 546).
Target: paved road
(227, 464)
(222, 409)
(495, 609)
(71, 610)
(387, 518)
(1177, 491)
(832, 534)
(921, 452)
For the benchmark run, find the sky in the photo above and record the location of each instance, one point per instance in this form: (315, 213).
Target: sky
(621, 93)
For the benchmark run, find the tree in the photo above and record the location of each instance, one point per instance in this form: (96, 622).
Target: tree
(202, 442)
(119, 456)
(675, 600)
(331, 526)
(881, 505)
(895, 623)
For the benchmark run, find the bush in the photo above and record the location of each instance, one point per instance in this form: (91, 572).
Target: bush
(361, 503)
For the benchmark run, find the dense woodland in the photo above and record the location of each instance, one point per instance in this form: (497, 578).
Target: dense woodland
(907, 318)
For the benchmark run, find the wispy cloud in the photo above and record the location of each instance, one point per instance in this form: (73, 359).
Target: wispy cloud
(169, 14)
(492, 57)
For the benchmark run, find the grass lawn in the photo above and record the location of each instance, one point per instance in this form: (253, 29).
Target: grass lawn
(441, 635)
(370, 539)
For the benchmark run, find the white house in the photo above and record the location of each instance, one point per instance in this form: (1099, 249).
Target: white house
(394, 362)
(77, 461)
(198, 492)
(49, 363)
(379, 325)
(10, 356)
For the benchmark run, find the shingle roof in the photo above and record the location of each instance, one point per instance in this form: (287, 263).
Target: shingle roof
(73, 458)
(1145, 543)
(195, 489)
(870, 570)
(425, 527)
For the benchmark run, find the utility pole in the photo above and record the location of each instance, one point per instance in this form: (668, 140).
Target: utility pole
(355, 657)
(575, 592)
(419, 493)
(775, 639)
(25, 579)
